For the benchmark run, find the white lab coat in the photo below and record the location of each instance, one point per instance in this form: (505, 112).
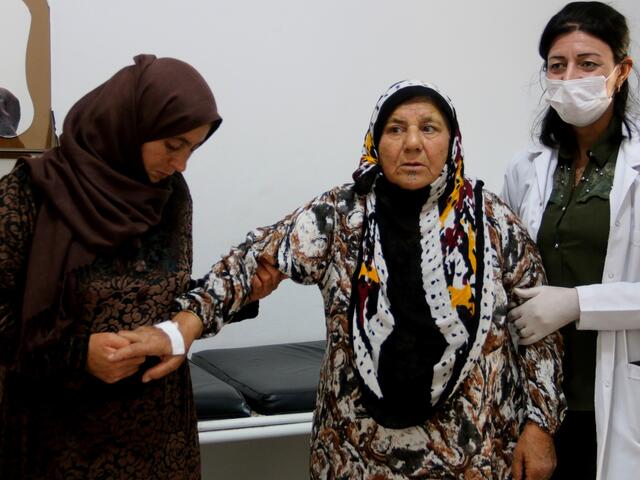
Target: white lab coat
(611, 307)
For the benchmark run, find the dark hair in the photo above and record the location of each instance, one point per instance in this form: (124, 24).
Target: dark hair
(603, 22)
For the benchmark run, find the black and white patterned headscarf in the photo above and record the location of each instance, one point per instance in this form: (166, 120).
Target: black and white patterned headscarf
(423, 292)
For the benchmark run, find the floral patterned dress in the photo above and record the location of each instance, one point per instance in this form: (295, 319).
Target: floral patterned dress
(472, 436)
(56, 420)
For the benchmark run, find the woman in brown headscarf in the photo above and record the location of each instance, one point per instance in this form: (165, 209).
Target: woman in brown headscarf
(95, 238)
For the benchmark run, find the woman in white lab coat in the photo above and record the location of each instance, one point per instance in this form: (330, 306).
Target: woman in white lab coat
(578, 192)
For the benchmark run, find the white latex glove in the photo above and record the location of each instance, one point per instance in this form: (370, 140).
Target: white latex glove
(545, 310)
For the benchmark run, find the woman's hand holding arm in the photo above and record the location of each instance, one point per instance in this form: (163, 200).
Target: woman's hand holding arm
(265, 281)
(541, 362)
(99, 361)
(545, 310)
(154, 342)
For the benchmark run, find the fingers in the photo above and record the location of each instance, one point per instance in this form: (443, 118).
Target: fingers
(112, 357)
(265, 280)
(148, 341)
(130, 336)
(132, 350)
(256, 283)
(101, 346)
(523, 327)
(538, 458)
(166, 366)
(514, 314)
(263, 273)
(114, 373)
(525, 332)
(268, 276)
(272, 271)
(526, 293)
(528, 333)
(531, 339)
(133, 362)
(111, 340)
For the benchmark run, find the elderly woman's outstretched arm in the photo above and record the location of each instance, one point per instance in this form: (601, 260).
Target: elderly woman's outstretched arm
(298, 247)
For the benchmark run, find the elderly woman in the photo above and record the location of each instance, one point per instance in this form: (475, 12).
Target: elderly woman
(416, 265)
(95, 237)
(578, 192)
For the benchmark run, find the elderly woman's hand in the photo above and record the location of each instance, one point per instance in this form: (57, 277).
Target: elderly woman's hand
(152, 341)
(99, 362)
(265, 281)
(534, 457)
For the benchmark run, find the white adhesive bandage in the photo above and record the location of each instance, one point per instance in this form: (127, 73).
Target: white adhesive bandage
(172, 330)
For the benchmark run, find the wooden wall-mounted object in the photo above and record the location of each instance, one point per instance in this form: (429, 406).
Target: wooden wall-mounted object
(40, 135)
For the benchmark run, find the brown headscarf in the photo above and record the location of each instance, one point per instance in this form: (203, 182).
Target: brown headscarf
(94, 188)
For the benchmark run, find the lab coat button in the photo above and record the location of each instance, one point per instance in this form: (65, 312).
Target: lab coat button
(606, 384)
(617, 223)
(610, 275)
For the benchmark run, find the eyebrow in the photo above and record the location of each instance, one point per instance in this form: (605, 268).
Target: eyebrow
(588, 54)
(427, 118)
(183, 140)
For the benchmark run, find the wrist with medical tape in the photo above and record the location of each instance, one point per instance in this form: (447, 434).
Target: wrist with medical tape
(175, 336)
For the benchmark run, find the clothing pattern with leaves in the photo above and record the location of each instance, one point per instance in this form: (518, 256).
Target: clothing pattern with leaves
(474, 433)
(58, 421)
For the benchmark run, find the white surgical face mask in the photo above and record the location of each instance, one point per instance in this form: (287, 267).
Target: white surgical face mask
(580, 101)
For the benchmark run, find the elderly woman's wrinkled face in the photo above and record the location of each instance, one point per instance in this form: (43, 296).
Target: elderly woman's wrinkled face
(162, 158)
(414, 145)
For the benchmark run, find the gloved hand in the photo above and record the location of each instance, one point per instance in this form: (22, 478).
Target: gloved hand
(545, 310)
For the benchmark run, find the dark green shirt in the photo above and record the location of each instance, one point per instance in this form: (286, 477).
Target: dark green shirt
(573, 243)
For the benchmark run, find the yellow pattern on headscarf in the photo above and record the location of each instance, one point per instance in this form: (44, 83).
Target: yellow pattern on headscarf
(368, 145)
(464, 296)
(461, 296)
(369, 273)
(455, 195)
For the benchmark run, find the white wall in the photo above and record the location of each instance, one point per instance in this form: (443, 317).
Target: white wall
(296, 82)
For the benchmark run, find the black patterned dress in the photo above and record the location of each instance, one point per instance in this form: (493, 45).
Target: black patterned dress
(473, 434)
(56, 420)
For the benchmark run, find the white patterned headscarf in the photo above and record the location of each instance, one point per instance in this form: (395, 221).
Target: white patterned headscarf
(423, 292)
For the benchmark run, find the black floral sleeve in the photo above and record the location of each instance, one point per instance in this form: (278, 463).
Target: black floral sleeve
(299, 246)
(541, 363)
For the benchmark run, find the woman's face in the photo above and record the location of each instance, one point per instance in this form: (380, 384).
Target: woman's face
(414, 145)
(162, 158)
(578, 55)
